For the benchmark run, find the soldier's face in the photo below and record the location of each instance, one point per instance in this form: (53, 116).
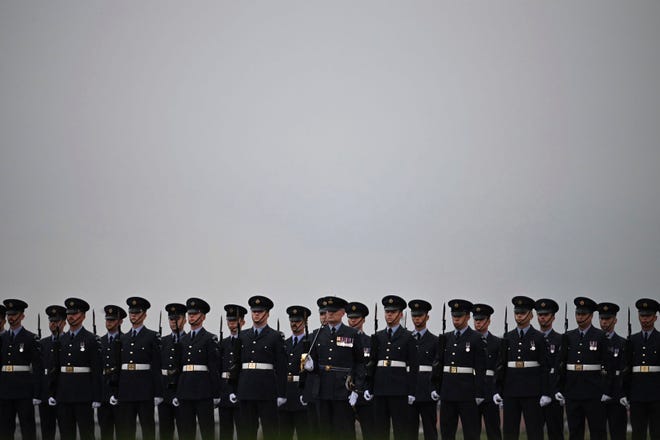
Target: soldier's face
(15, 319)
(112, 325)
(259, 317)
(481, 325)
(334, 317)
(647, 321)
(195, 319)
(137, 318)
(524, 318)
(75, 319)
(356, 323)
(583, 319)
(545, 319)
(296, 326)
(178, 320)
(53, 326)
(607, 324)
(420, 321)
(392, 317)
(460, 322)
(232, 325)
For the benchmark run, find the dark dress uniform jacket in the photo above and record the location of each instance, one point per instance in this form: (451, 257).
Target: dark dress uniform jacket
(47, 363)
(427, 347)
(140, 385)
(23, 351)
(643, 386)
(227, 386)
(361, 383)
(395, 381)
(202, 350)
(267, 348)
(293, 390)
(110, 358)
(170, 363)
(467, 351)
(553, 348)
(616, 350)
(519, 381)
(335, 358)
(310, 378)
(84, 350)
(493, 346)
(590, 350)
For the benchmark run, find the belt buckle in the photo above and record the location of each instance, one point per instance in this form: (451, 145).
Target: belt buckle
(387, 363)
(644, 369)
(131, 367)
(328, 367)
(9, 368)
(68, 369)
(520, 364)
(187, 368)
(252, 365)
(453, 369)
(578, 367)
(289, 378)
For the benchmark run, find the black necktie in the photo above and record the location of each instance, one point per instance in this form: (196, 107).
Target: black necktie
(417, 336)
(646, 337)
(333, 331)
(110, 339)
(458, 334)
(11, 336)
(521, 334)
(581, 335)
(256, 332)
(295, 341)
(389, 333)
(192, 335)
(71, 335)
(133, 334)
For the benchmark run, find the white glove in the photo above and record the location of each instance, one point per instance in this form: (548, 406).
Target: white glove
(309, 363)
(96, 404)
(435, 396)
(560, 397)
(624, 401)
(281, 401)
(36, 402)
(302, 401)
(233, 398)
(175, 402)
(216, 401)
(497, 399)
(605, 398)
(367, 395)
(158, 401)
(479, 400)
(352, 398)
(52, 401)
(113, 400)
(411, 400)
(545, 401)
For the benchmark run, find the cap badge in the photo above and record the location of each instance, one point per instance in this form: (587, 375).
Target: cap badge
(417, 305)
(53, 311)
(134, 302)
(10, 304)
(330, 301)
(606, 308)
(581, 302)
(390, 301)
(231, 310)
(645, 304)
(257, 301)
(110, 310)
(192, 303)
(455, 305)
(294, 311)
(325, 303)
(542, 304)
(354, 308)
(520, 301)
(71, 304)
(478, 309)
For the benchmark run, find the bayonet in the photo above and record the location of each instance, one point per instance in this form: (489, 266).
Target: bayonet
(565, 317)
(220, 327)
(629, 326)
(94, 321)
(506, 324)
(376, 318)
(39, 323)
(444, 317)
(160, 323)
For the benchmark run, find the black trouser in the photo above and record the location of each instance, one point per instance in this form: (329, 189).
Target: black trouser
(72, 415)
(228, 418)
(645, 416)
(427, 411)
(467, 410)
(579, 410)
(617, 419)
(194, 412)
(47, 420)
(491, 416)
(291, 421)
(108, 417)
(365, 415)
(167, 417)
(553, 415)
(130, 411)
(337, 419)
(530, 409)
(313, 416)
(396, 409)
(254, 411)
(9, 409)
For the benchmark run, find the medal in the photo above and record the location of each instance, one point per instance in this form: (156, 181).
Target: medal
(593, 345)
(552, 348)
(82, 346)
(532, 346)
(20, 347)
(467, 346)
(616, 352)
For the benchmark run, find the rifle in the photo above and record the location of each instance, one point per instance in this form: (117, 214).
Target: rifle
(373, 351)
(436, 367)
(160, 323)
(173, 376)
(376, 318)
(506, 324)
(94, 321)
(54, 371)
(565, 317)
(444, 317)
(221, 328)
(629, 326)
(39, 323)
(235, 362)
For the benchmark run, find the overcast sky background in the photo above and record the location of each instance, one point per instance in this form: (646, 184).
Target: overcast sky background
(300, 149)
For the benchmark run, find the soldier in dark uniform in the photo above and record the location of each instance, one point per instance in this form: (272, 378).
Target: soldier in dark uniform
(337, 357)
(310, 379)
(584, 374)
(198, 390)
(170, 363)
(228, 413)
(293, 415)
(262, 374)
(20, 374)
(488, 410)
(615, 413)
(50, 349)
(108, 415)
(642, 374)
(140, 386)
(553, 413)
(424, 407)
(393, 380)
(356, 313)
(462, 362)
(77, 383)
(523, 369)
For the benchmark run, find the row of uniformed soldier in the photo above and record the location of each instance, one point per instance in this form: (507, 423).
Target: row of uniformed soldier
(317, 384)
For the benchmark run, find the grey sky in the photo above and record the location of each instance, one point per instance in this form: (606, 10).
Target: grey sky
(298, 149)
